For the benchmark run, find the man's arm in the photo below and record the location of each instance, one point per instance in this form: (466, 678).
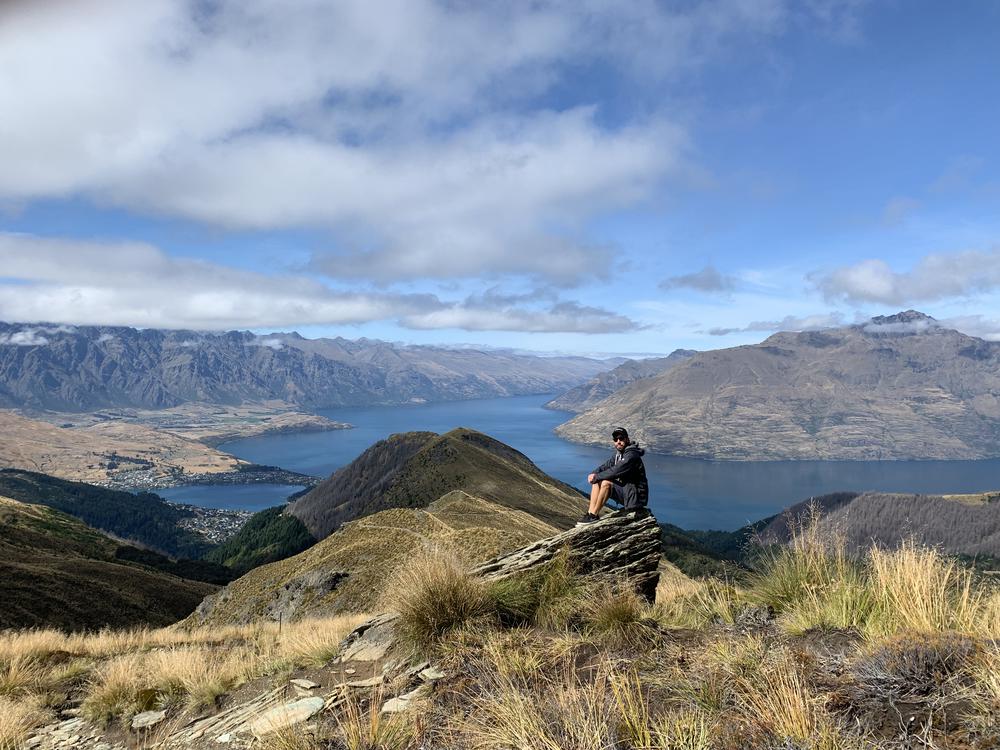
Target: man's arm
(610, 470)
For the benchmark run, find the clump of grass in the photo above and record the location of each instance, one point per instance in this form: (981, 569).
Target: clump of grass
(548, 596)
(777, 700)
(695, 604)
(811, 562)
(360, 725)
(433, 594)
(117, 690)
(616, 613)
(312, 643)
(986, 673)
(20, 674)
(917, 588)
(195, 677)
(17, 719)
(685, 729)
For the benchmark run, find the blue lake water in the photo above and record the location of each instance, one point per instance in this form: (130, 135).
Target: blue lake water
(690, 493)
(230, 496)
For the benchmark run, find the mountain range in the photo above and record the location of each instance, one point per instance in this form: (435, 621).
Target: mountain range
(63, 368)
(602, 385)
(897, 387)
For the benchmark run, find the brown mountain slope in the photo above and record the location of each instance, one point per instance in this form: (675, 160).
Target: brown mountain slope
(58, 572)
(898, 387)
(602, 385)
(958, 525)
(412, 470)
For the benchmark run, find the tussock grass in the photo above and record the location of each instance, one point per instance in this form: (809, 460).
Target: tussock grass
(17, 718)
(116, 690)
(433, 594)
(21, 674)
(360, 725)
(695, 604)
(813, 582)
(617, 614)
(918, 589)
(312, 643)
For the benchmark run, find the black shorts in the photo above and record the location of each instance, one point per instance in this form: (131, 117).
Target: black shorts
(626, 495)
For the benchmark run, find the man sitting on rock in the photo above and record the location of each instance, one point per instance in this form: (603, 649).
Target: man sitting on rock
(622, 478)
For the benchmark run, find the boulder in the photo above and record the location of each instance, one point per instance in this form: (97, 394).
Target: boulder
(620, 545)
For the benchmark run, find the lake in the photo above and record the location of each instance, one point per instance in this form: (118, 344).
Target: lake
(691, 493)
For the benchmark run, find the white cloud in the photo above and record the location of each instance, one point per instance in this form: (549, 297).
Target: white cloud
(105, 338)
(566, 317)
(816, 322)
(411, 128)
(979, 326)
(935, 277)
(25, 337)
(270, 342)
(138, 285)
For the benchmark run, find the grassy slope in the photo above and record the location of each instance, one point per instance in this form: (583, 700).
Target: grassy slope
(145, 519)
(55, 571)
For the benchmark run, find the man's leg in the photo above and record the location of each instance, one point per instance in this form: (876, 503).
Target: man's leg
(599, 492)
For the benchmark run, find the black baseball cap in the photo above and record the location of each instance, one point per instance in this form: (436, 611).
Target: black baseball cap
(619, 432)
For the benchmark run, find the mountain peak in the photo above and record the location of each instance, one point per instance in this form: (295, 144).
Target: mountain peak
(907, 316)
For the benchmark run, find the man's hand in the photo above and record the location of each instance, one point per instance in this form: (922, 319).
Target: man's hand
(590, 477)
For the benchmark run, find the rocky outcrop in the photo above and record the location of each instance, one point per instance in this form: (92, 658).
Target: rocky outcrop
(897, 387)
(620, 545)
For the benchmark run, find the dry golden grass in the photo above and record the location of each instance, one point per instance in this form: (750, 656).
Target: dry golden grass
(433, 594)
(125, 672)
(695, 604)
(360, 725)
(312, 643)
(20, 674)
(17, 719)
(918, 589)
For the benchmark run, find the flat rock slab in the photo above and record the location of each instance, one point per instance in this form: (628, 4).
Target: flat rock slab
(286, 715)
(402, 703)
(148, 719)
(304, 684)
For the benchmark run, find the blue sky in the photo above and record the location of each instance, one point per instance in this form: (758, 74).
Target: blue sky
(555, 176)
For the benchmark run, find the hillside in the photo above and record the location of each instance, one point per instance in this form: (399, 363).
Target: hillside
(347, 571)
(411, 470)
(92, 367)
(105, 451)
(602, 385)
(967, 526)
(897, 387)
(58, 572)
(144, 518)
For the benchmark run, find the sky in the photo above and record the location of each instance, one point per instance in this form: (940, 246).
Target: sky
(557, 176)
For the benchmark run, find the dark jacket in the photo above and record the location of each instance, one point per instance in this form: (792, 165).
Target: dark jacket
(625, 467)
